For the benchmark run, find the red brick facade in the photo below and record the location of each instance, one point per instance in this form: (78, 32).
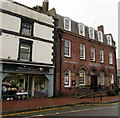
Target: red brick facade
(74, 63)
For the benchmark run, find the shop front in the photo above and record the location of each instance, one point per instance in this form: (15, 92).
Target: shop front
(22, 82)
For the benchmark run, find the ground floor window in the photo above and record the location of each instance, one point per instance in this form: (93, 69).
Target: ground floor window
(101, 78)
(67, 77)
(22, 86)
(82, 77)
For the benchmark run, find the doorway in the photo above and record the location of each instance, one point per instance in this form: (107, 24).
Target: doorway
(94, 82)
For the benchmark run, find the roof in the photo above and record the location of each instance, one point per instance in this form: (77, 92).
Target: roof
(74, 29)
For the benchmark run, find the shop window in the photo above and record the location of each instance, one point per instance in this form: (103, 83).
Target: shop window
(67, 49)
(67, 24)
(102, 56)
(25, 50)
(81, 28)
(100, 36)
(101, 78)
(26, 28)
(40, 85)
(109, 39)
(92, 53)
(110, 58)
(82, 51)
(82, 77)
(67, 78)
(91, 33)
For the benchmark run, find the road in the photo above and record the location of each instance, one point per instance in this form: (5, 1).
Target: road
(78, 110)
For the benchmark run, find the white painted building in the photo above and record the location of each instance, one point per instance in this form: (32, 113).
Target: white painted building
(26, 59)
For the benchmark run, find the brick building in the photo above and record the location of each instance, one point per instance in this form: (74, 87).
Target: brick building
(85, 58)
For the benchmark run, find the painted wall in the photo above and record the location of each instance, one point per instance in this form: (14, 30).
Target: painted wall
(25, 11)
(42, 51)
(43, 32)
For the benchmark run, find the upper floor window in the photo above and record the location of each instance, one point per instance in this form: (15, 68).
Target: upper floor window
(81, 28)
(92, 54)
(82, 77)
(91, 33)
(109, 39)
(67, 78)
(82, 51)
(67, 24)
(100, 36)
(67, 50)
(25, 50)
(26, 28)
(102, 56)
(110, 58)
(101, 78)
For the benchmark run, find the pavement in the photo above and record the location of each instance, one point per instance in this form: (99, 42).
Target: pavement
(35, 103)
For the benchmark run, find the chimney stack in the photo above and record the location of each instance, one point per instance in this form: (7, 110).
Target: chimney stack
(101, 28)
(45, 6)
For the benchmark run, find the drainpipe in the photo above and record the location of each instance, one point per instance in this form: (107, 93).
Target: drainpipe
(60, 39)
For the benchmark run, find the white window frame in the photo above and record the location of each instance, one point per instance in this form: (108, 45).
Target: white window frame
(112, 78)
(100, 36)
(67, 78)
(102, 78)
(68, 48)
(91, 30)
(101, 56)
(81, 28)
(82, 75)
(110, 58)
(68, 25)
(109, 39)
(82, 51)
(92, 54)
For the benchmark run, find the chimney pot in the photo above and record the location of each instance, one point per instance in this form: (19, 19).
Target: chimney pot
(45, 6)
(101, 28)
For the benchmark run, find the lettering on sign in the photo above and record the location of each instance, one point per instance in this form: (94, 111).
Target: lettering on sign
(71, 62)
(97, 65)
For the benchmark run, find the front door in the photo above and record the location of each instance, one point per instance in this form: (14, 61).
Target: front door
(94, 82)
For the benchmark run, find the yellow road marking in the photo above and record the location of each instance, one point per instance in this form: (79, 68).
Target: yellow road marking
(14, 114)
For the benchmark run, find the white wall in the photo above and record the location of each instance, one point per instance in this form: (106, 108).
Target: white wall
(42, 52)
(11, 23)
(22, 10)
(10, 45)
(43, 31)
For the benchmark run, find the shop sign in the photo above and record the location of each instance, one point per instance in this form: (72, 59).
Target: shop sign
(26, 69)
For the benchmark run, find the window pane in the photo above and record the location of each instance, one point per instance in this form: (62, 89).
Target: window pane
(26, 28)
(25, 51)
(67, 78)
(67, 48)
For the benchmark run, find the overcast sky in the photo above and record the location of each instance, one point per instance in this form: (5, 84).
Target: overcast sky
(92, 13)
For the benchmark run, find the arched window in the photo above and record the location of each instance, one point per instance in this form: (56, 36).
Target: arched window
(82, 77)
(67, 23)
(109, 39)
(91, 33)
(81, 28)
(67, 78)
(101, 82)
(100, 36)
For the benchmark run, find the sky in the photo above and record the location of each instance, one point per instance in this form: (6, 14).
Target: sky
(91, 13)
